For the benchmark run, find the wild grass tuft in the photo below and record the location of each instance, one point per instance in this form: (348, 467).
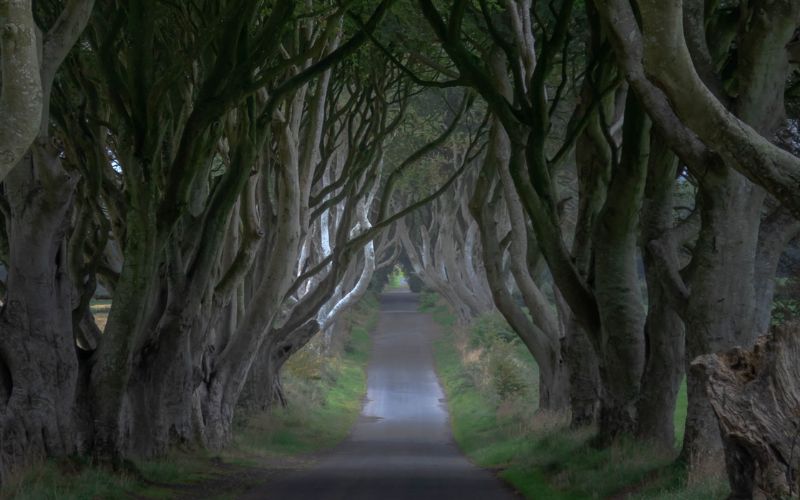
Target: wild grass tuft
(67, 480)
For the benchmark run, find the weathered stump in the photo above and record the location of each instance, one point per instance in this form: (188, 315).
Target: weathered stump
(756, 397)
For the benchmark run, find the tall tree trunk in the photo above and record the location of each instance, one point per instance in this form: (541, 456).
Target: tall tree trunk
(112, 362)
(21, 101)
(617, 285)
(721, 312)
(38, 359)
(539, 334)
(263, 388)
(219, 394)
(664, 331)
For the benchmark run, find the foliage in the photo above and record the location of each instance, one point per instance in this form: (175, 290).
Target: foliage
(490, 328)
(428, 300)
(505, 372)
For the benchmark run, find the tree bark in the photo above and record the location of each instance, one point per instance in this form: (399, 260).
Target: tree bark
(721, 310)
(664, 330)
(21, 96)
(584, 373)
(38, 359)
(617, 285)
(125, 329)
(756, 399)
(677, 98)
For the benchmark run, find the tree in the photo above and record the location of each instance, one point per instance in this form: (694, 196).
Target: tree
(36, 343)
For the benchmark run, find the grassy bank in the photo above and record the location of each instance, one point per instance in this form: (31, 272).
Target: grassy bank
(325, 394)
(490, 382)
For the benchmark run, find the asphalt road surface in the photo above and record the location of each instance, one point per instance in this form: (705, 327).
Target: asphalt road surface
(401, 447)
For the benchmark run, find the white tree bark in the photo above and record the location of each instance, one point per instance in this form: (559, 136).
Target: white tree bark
(327, 318)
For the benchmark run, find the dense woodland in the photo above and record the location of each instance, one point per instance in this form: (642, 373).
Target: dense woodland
(620, 179)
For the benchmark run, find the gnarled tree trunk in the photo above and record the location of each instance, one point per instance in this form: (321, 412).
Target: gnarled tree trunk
(755, 395)
(38, 361)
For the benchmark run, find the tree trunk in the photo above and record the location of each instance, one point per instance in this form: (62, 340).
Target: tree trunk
(161, 390)
(663, 373)
(263, 388)
(721, 312)
(664, 331)
(756, 397)
(112, 362)
(21, 100)
(540, 335)
(38, 361)
(617, 285)
(554, 386)
(584, 374)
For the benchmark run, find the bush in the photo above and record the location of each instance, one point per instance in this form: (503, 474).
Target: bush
(428, 300)
(505, 372)
(490, 327)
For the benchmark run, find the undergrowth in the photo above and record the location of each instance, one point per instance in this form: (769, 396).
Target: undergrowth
(537, 452)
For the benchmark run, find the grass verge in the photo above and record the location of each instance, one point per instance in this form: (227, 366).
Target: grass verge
(325, 394)
(538, 453)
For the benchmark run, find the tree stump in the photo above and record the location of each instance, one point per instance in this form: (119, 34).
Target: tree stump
(756, 397)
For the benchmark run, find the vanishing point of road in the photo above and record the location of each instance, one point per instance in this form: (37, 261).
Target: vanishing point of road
(401, 448)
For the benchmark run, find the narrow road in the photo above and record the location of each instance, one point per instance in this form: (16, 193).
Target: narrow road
(401, 448)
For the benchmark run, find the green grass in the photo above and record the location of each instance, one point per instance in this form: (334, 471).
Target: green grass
(538, 453)
(68, 480)
(325, 394)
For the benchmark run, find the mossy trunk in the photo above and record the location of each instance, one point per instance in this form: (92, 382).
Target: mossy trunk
(617, 286)
(126, 327)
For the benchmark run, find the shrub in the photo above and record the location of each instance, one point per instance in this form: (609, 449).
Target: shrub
(428, 300)
(505, 372)
(490, 327)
